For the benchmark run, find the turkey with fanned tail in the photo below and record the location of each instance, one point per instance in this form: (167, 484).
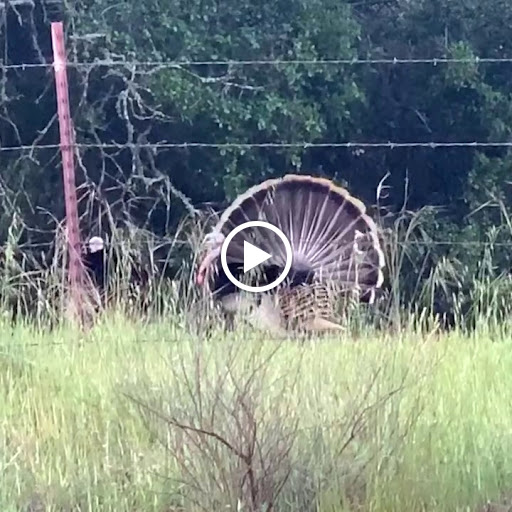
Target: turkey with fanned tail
(335, 249)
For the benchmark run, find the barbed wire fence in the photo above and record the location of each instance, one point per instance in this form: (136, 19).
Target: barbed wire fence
(122, 188)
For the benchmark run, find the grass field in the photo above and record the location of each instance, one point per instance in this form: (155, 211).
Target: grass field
(137, 418)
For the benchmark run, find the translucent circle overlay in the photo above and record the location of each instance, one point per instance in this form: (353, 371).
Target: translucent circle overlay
(257, 224)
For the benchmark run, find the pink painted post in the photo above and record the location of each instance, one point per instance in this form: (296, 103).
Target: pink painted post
(68, 168)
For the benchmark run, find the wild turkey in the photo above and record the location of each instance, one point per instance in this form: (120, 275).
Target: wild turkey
(94, 261)
(110, 274)
(335, 248)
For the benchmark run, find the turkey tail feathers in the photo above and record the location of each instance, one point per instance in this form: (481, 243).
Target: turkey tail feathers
(331, 235)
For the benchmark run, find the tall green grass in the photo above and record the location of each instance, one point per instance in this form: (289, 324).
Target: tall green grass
(150, 410)
(134, 416)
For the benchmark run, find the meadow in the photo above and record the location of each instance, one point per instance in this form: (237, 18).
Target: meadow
(134, 416)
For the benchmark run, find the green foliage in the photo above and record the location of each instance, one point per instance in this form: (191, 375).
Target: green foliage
(235, 103)
(224, 101)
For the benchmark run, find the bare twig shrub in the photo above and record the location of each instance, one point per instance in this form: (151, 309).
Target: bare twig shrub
(229, 428)
(242, 431)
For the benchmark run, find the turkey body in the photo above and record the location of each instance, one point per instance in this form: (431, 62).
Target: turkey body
(335, 250)
(101, 265)
(95, 263)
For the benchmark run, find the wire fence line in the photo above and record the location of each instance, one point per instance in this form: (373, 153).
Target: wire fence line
(263, 145)
(80, 343)
(74, 341)
(259, 62)
(419, 243)
(408, 243)
(276, 145)
(460, 243)
(162, 341)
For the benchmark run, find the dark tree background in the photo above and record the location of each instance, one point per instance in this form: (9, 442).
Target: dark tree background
(120, 99)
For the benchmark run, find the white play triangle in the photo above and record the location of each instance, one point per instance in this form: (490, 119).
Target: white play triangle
(253, 256)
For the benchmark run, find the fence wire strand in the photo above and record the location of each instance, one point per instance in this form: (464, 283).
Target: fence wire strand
(265, 145)
(260, 62)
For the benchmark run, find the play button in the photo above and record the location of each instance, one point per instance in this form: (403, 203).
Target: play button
(254, 256)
